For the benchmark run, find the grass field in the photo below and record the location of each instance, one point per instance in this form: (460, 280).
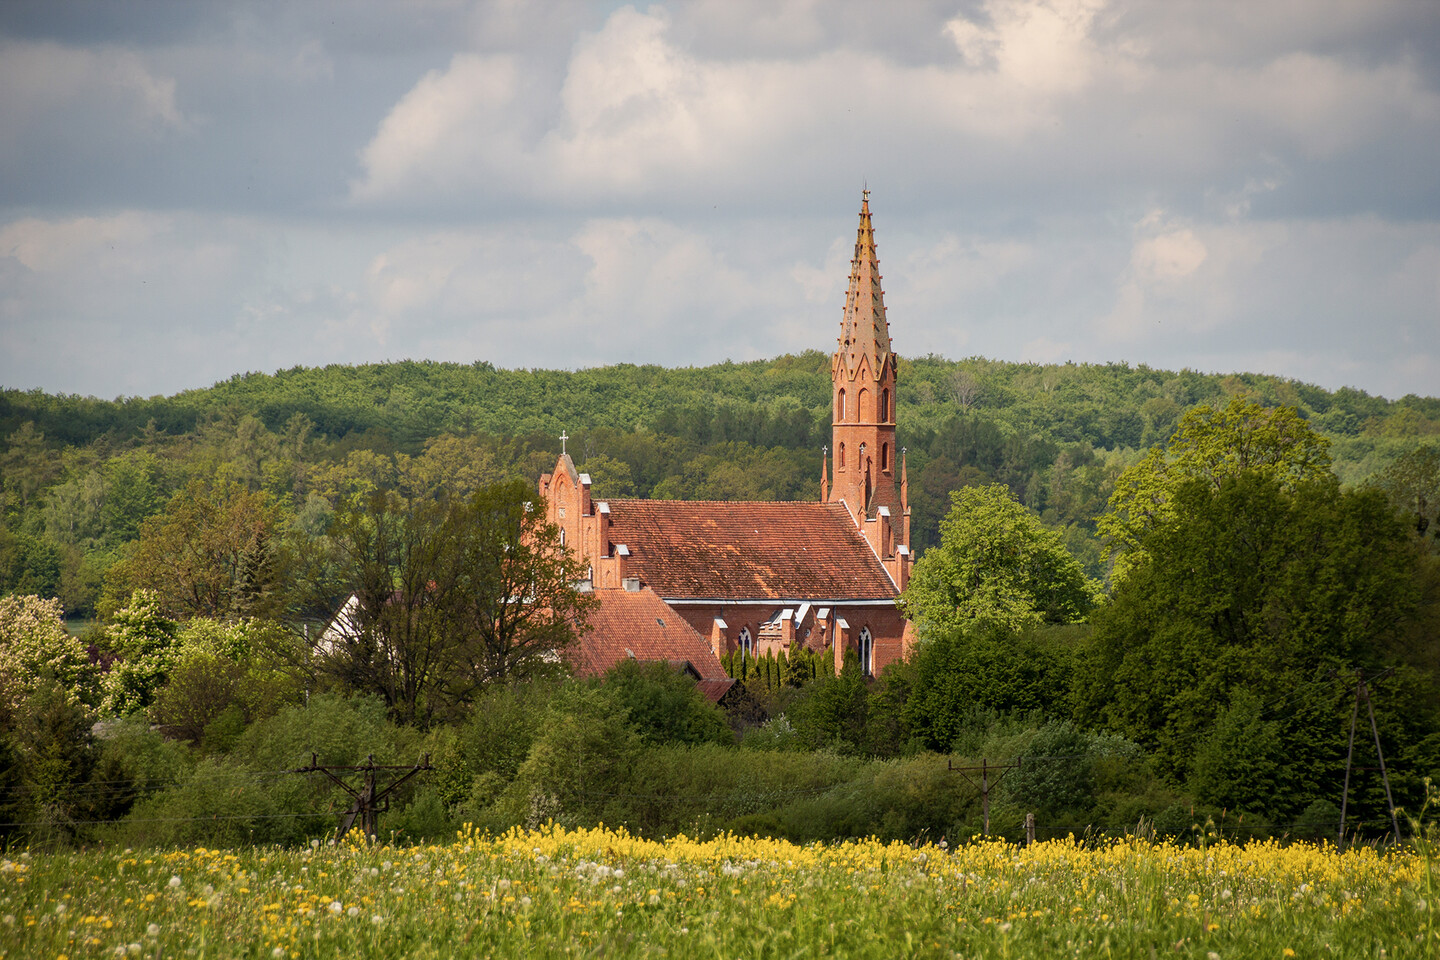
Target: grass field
(596, 893)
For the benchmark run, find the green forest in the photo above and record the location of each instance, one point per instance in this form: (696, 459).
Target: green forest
(1155, 597)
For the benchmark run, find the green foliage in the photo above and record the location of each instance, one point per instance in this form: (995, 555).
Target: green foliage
(1257, 585)
(996, 563)
(1210, 445)
(146, 644)
(450, 597)
(664, 705)
(982, 666)
(52, 755)
(235, 671)
(213, 552)
(577, 764)
(1239, 765)
(35, 648)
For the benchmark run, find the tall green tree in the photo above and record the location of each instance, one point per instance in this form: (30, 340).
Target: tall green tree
(1253, 584)
(213, 552)
(1412, 484)
(996, 563)
(448, 597)
(1209, 445)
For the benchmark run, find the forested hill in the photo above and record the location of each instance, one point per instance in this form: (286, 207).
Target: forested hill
(78, 474)
(781, 401)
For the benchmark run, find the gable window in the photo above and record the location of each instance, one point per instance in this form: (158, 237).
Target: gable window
(867, 652)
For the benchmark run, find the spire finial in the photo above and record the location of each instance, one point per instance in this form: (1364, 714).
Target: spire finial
(563, 438)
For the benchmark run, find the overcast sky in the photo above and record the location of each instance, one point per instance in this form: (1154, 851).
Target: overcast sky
(193, 189)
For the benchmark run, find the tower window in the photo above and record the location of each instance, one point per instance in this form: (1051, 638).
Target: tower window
(885, 406)
(863, 404)
(840, 405)
(884, 456)
(842, 456)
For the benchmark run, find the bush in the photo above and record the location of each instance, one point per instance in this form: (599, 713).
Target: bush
(664, 705)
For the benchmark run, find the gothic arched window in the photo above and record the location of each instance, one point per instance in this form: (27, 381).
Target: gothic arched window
(860, 408)
(884, 456)
(884, 406)
(841, 460)
(867, 652)
(744, 642)
(840, 405)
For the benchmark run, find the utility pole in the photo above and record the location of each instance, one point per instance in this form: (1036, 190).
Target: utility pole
(368, 797)
(985, 784)
(1362, 692)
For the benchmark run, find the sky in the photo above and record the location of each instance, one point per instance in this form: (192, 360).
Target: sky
(193, 189)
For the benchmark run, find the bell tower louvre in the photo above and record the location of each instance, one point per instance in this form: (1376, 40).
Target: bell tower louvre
(868, 470)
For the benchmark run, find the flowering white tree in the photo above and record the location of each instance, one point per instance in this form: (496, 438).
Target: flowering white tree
(34, 647)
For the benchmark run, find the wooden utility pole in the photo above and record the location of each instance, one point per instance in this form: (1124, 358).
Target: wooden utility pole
(368, 796)
(1362, 692)
(985, 770)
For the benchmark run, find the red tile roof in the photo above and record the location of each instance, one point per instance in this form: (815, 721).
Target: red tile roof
(640, 624)
(748, 551)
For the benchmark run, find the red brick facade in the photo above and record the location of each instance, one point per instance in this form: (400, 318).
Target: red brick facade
(768, 575)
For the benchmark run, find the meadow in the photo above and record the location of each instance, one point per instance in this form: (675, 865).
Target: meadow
(600, 892)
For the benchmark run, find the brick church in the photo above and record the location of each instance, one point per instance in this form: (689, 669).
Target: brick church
(690, 581)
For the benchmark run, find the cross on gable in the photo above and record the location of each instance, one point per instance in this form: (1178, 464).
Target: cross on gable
(563, 438)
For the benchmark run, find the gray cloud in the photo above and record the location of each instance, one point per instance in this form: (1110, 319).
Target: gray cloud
(195, 189)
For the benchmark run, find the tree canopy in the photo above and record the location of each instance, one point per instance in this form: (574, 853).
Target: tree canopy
(996, 563)
(449, 595)
(1209, 445)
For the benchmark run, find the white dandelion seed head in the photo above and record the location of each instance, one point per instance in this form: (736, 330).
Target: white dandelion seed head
(174, 881)
(353, 912)
(336, 906)
(153, 930)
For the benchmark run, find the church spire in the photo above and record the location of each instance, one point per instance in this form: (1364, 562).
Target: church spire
(864, 331)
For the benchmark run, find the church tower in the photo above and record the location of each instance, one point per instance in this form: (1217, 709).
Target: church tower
(866, 467)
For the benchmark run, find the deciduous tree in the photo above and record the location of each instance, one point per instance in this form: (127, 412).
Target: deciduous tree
(1209, 445)
(996, 563)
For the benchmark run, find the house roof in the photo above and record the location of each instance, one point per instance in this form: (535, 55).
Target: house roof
(638, 624)
(724, 550)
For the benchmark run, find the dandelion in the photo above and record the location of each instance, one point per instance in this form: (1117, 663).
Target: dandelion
(277, 953)
(133, 949)
(153, 930)
(336, 906)
(353, 912)
(174, 882)
(377, 919)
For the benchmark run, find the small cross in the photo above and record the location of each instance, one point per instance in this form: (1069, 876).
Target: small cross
(826, 449)
(563, 438)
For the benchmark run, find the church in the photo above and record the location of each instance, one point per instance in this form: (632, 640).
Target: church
(690, 581)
